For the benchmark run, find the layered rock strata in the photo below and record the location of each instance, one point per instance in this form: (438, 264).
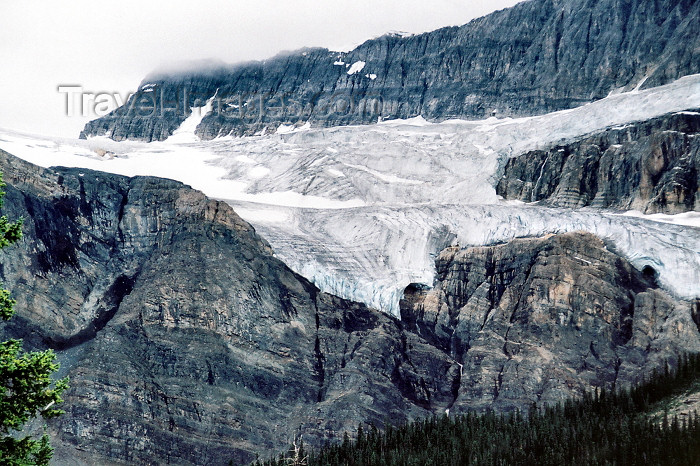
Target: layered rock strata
(536, 57)
(651, 166)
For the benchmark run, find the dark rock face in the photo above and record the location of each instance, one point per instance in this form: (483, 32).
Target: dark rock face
(539, 56)
(651, 166)
(187, 342)
(540, 320)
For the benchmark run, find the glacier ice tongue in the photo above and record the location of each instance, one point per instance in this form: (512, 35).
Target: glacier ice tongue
(371, 254)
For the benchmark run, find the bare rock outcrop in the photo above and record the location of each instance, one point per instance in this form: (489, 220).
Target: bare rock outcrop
(651, 166)
(536, 57)
(185, 340)
(540, 320)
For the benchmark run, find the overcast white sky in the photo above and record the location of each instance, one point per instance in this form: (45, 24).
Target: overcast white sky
(111, 45)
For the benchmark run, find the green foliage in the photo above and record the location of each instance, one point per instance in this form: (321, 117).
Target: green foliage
(6, 305)
(25, 451)
(10, 232)
(25, 385)
(26, 389)
(603, 428)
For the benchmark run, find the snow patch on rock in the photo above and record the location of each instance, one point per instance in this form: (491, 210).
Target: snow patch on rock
(356, 67)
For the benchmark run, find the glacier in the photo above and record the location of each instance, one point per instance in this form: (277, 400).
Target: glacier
(372, 254)
(362, 211)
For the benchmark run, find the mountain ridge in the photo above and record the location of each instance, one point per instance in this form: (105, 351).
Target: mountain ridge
(544, 63)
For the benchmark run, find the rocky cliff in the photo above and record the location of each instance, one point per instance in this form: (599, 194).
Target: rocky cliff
(542, 319)
(651, 166)
(539, 56)
(188, 342)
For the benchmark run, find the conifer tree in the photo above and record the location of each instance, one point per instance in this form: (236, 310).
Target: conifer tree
(26, 388)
